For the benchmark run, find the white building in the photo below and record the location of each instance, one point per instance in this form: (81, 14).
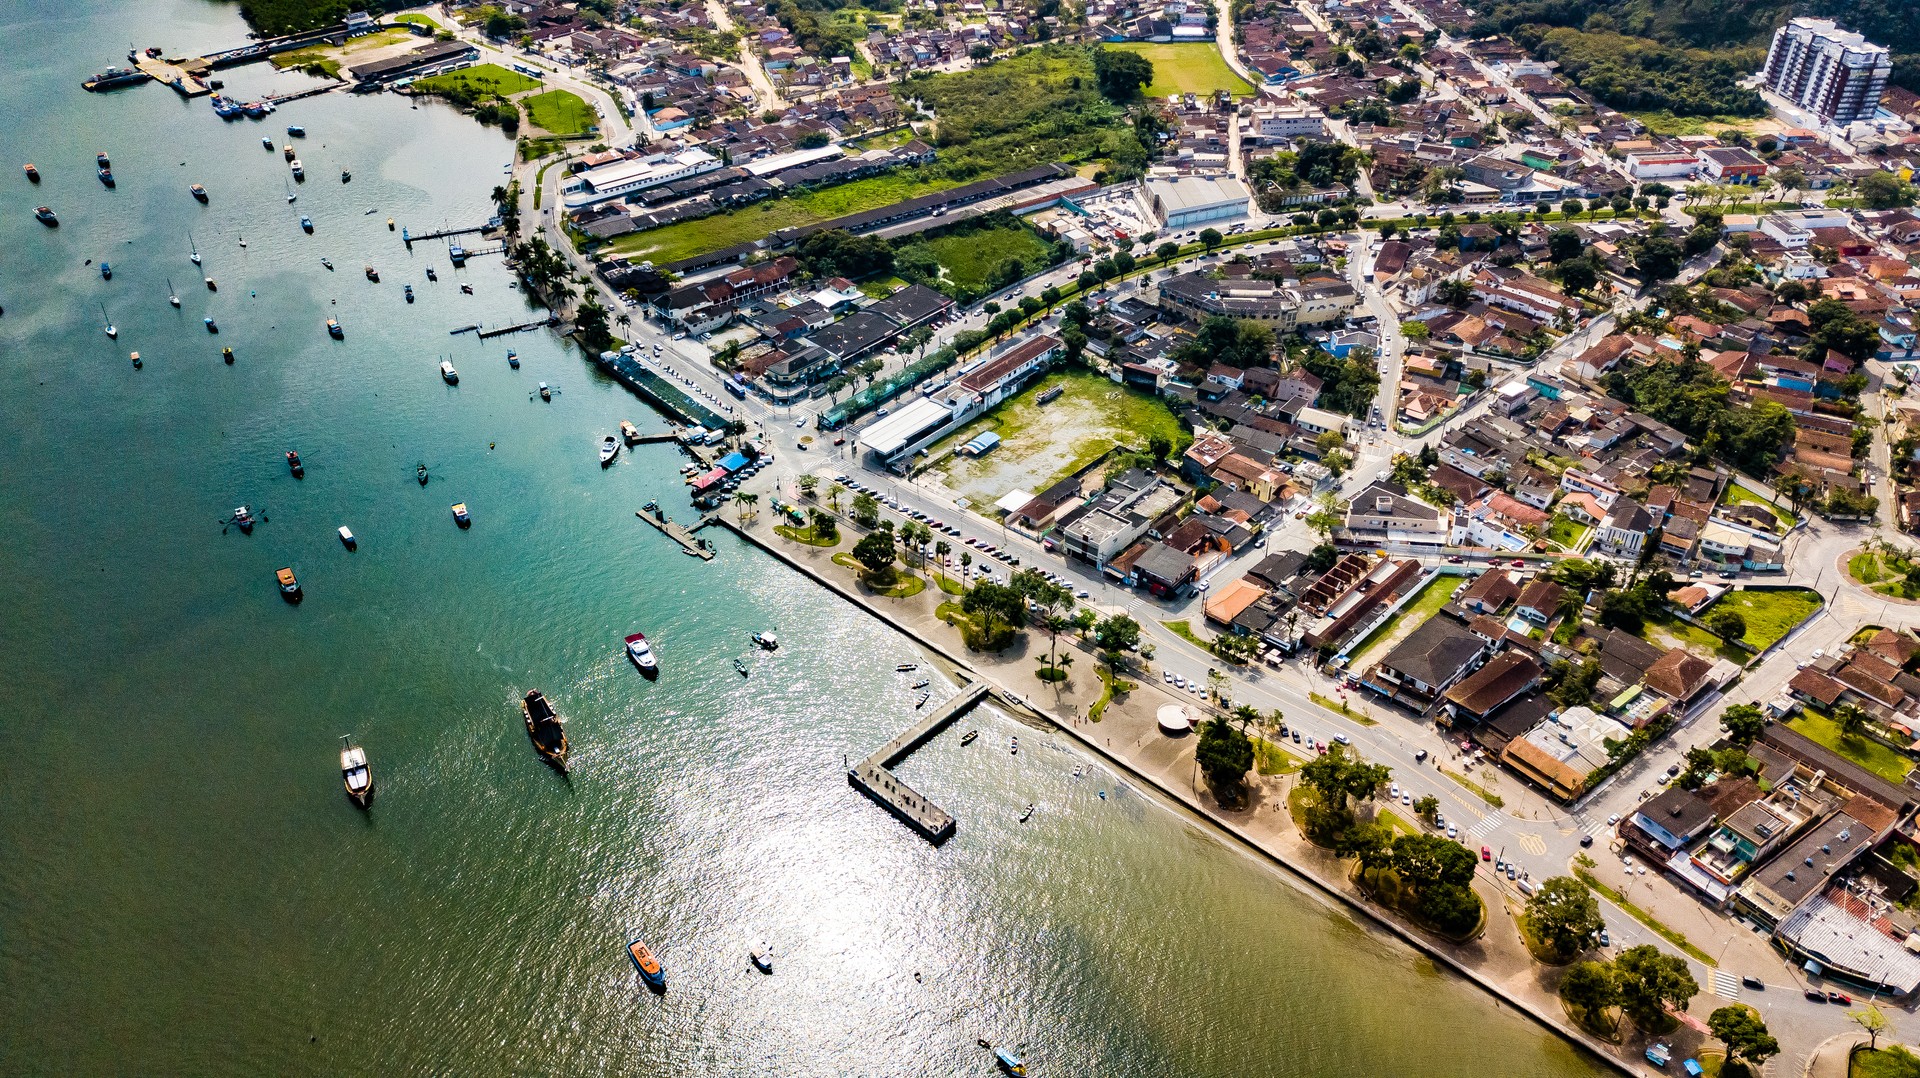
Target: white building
(611, 181)
(1835, 74)
(1190, 201)
(1661, 166)
(894, 439)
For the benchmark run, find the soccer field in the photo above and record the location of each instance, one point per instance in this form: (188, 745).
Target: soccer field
(1194, 68)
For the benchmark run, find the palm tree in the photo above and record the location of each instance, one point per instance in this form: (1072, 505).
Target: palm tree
(1851, 720)
(833, 496)
(1246, 715)
(966, 565)
(941, 549)
(744, 501)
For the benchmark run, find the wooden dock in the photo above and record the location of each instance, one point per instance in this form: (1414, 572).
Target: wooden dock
(521, 327)
(874, 777)
(679, 533)
(657, 437)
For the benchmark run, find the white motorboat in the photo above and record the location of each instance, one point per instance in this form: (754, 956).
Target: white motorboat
(451, 376)
(355, 773)
(642, 654)
(609, 449)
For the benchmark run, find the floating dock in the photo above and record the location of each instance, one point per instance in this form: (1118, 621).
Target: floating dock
(407, 237)
(874, 777)
(538, 323)
(679, 533)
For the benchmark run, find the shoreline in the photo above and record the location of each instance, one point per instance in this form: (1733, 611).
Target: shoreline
(1246, 842)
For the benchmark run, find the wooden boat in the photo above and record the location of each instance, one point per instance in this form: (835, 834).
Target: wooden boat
(546, 394)
(406, 290)
(199, 192)
(212, 326)
(461, 516)
(287, 151)
(649, 966)
(432, 275)
(1025, 816)
(267, 141)
(102, 160)
(227, 355)
(904, 667)
(922, 702)
(306, 224)
(135, 356)
(106, 270)
(289, 586)
(513, 359)
(629, 432)
(1013, 748)
(355, 773)
(762, 961)
(243, 519)
(420, 473)
(346, 538)
(46, 216)
(546, 728)
(106, 177)
(33, 174)
(212, 286)
(293, 465)
(345, 176)
(389, 224)
(373, 275)
(299, 171)
(334, 330)
(967, 738)
(742, 667)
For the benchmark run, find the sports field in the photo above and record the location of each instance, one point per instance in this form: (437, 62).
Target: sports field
(1194, 68)
(561, 112)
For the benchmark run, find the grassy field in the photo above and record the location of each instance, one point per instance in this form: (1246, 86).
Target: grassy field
(969, 259)
(1884, 575)
(1672, 632)
(1893, 1061)
(1424, 605)
(481, 79)
(561, 112)
(1666, 123)
(1739, 495)
(1770, 614)
(1569, 535)
(1042, 444)
(330, 57)
(1864, 751)
(1187, 69)
(685, 239)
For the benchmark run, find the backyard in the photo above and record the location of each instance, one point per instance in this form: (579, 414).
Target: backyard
(1187, 69)
(1739, 495)
(969, 259)
(1425, 603)
(684, 239)
(1770, 613)
(1864, 751)
(1043, 444)
(561, 112)
(1565, 533)
(479, 80)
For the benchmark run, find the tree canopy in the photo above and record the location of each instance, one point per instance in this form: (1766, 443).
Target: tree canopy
(1121, 74)
(1563, 915)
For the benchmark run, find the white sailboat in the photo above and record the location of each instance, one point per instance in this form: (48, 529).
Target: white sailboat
(196, 249)
(113, 331)
(173, 297)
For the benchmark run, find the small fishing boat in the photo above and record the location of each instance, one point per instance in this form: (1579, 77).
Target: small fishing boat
(546, 728)
(466, 289)
(1009, 1062)
(609, 449)
(546, 394)
(212, 286)
(299, 173)
(227, 354)
(629, 432)
(199, 192)
(267, 141)
(243, 519)
(922, 702)
(408, 291)
(904, 667)
(289, 586)
(243, 243)
(431, 274)
(345, 176)
(102, 160)
(448, 374)
(33, 174)
(327, 262)
(742, 667)
(173, 297)
(921, 684)
(106, 177)
(766, 640)
(346, 538)
(355, 774)
(135, 357)
(762, 961)
(1025, 816)
(461, 516)
(648, 966)
(106, 271)
(513, 359)
(334, 330)
(389, 224)
(1013, 748)
(297, 131)
(212, 327)
(47, 217)
(373, 275)
(298, 469)
(420, 473)
(967, 738)
(306, 224)
(286, 151)
(642, 655)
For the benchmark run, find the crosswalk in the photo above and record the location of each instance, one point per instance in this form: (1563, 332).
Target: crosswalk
(1488, 825)
(1725, 985)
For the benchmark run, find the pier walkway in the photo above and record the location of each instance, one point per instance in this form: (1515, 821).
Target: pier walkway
(873, 776)
(679, 533)
(538, 323)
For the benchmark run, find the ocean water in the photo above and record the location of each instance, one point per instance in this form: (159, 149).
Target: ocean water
(184, 888)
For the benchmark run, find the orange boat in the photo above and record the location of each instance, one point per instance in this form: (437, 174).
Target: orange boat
(648, 966)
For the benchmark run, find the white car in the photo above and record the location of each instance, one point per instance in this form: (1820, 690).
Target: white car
(1406, 798)
(1452, 831)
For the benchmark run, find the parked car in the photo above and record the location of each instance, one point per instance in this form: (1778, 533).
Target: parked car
(1754, 983)
(1839, 997)
(1816, 996)
(1486, 853)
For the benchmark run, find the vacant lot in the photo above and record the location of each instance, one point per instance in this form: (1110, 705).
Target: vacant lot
(482, 79)
(561, 112)
(1187, 69)
(1043, 444)
(1864, 751)
(1424, 605)
(688, 238)
(1770, 614)
(970, 259)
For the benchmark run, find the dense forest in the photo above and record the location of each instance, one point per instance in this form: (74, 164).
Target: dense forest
(1637, 54)
(271, 18)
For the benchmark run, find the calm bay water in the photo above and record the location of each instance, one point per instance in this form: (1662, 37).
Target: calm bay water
(183, 887)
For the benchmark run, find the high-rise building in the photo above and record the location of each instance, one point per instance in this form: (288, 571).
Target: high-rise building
(1835, 74)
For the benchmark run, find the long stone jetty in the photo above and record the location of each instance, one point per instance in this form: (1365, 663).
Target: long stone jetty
(873, 776)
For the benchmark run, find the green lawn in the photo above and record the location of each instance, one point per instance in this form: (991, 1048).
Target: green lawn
(418, 20)
(1892, 1061)
(1864, 751)
(1739, 495)
(970, 258)
(1562, 530)
(1184, 68)
(1770, 614)
(1884, 574)
(561, 112)
(1424, 605)
(481, 79)
(685, 239)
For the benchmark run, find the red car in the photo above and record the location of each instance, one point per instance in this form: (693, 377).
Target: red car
(1486, 853)
(1519, 563)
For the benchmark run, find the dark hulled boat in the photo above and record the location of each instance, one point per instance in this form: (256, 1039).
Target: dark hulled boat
(547, 729)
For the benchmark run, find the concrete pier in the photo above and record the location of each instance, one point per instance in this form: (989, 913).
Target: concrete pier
(873, 777)
(679, 533)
